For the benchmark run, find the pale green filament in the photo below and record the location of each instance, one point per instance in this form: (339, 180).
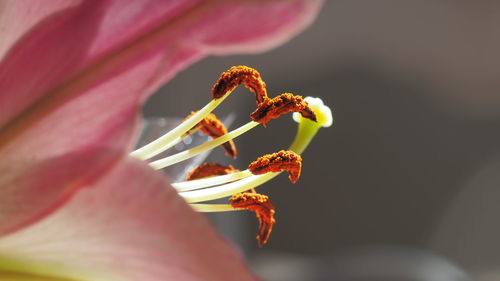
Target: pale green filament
(172, 137)
(181, 156)
(211, 181)
(226, 190)
(209, 208)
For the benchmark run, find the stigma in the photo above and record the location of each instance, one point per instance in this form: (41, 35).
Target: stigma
(211, 181)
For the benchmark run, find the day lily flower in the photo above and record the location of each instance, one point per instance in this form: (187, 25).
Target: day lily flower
(73, 75)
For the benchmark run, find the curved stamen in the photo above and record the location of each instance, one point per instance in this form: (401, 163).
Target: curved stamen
(251, 201)
(299, 144)
(227, 82)
(210, 174)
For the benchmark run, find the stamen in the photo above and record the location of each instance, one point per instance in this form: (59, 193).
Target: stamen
(264, 211)
(210, 174)
(209, 170)
(236, 76)
(227, 82)
(251, 201)
(279, 105)
(214, 128)
(280, 161)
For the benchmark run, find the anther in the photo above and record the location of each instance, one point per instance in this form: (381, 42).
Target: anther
(280, 161)
(282, 104)
(210, 169)
(264, 211)
(214, 128)
(236, 76)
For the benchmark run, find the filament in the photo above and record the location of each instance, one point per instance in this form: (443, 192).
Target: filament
(181, 156)
(169, 139)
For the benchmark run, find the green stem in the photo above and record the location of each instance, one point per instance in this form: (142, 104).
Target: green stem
(305, 133)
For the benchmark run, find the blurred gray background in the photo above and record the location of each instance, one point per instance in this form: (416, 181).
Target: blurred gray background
(406, 184)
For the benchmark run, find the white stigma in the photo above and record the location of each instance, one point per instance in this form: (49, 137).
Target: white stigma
(323, 112)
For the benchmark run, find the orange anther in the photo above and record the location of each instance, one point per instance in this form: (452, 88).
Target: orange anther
(210, 169)
(280, 161)
(264, 211)
(214, 128)
(282, 104)
(236, 76)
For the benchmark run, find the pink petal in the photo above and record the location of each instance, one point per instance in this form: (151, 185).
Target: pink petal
(71, 87)
(129, 226)
(70, 147)
(17, 17)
